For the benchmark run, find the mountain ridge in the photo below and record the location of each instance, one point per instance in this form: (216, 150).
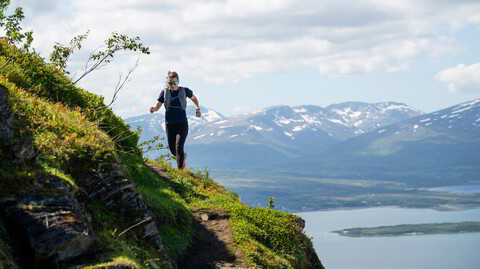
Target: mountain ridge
(280, 131)
(442, 147)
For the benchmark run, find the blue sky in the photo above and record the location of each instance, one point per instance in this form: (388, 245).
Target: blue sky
(244, 55)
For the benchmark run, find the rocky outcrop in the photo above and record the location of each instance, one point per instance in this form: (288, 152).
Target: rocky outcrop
(6, 118)
(23, 150)
(116, 191)
(49, 223)
(54, 228)
(7, 259)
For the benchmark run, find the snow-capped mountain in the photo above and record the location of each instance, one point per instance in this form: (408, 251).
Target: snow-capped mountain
(299, 126)
(457, 123)
(363, 118)
(277, 132)
(154, 124)
(438, 148)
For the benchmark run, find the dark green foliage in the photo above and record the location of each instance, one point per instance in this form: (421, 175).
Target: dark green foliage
(63, 138)
(29, 72)
(271, 202)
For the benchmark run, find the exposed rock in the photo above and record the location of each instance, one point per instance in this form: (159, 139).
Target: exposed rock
(24, 150)
(116, 191)
(300, 224)
(226, 265)
(312, 257)
(53, 184)
(153, 265)
(209, 216)
(53, 228)
(6, 118)
(109, 266)
(7, 260)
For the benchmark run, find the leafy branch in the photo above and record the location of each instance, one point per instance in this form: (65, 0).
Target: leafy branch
(12, 27)
(61, 53)
(114, 44)
(151, 144)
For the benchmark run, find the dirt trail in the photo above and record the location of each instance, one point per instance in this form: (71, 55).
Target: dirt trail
(212, 238)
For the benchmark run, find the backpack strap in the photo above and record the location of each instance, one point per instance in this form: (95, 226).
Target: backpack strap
(182, 97)
(168, 98)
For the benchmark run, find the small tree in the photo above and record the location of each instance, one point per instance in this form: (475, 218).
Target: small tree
(271, 202)
(99, 58)
(114, 44)
(11, 25)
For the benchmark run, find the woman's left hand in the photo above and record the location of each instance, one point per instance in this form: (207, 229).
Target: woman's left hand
(198, 113)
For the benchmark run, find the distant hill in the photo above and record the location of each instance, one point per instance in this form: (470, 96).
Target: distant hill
(438, 148)
(154, 124)
(276, 133)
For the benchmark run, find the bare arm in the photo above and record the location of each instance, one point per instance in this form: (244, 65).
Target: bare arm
(195, 101)
(156, 107)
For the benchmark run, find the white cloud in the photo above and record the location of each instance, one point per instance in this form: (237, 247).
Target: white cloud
(461, 78)
(227, 41)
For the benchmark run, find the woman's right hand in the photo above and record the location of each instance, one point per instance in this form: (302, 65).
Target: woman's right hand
(153, 109)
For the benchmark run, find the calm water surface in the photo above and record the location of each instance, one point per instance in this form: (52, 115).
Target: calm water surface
(458, 189)
(443, 251)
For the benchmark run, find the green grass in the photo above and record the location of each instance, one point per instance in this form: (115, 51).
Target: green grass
(31, 73)
(72, 134)
(267, 237)
(168, 205)
(117, 261)
(107, 226)
(64, 138)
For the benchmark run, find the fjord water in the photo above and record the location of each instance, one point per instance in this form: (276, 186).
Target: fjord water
(440, 251)
(458, 189)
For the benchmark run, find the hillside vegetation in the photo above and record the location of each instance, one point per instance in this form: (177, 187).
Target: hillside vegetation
(76, 192)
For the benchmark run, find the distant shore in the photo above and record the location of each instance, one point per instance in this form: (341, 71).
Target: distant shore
(440, 208)
(412, 229)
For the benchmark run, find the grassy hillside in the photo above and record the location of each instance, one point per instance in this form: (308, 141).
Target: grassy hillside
(63, 146)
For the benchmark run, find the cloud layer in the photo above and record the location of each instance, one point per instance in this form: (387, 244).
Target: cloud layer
(225, 41)
(461, 78)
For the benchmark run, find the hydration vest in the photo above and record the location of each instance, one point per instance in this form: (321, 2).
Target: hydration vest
(182, 97)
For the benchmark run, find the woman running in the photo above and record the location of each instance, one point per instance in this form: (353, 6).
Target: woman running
(176, 124)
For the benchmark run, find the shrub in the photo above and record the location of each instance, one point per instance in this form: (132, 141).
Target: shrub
(30, 72)
(62, 137)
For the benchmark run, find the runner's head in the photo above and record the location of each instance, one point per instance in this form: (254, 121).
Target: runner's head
(172, 79)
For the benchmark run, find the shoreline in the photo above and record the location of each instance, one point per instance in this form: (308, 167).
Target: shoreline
(440, 208)
(461, 227)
